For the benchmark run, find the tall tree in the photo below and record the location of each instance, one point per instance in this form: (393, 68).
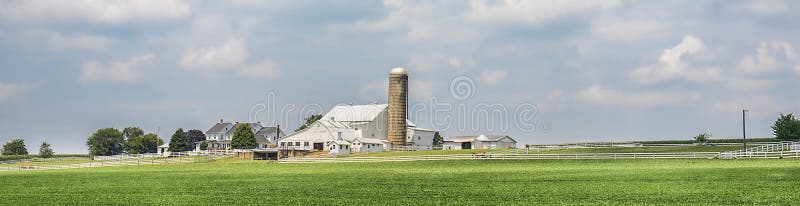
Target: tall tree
(131, 132)
(438, 140)
(143, 144)
(702, 138)
(195, 136)
(106, 141)
(309, 120)
(45, 151)
(15, 147)
(787, 127)
(178, 142)
(243, 137)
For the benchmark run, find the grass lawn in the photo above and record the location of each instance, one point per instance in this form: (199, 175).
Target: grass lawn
(230, 181)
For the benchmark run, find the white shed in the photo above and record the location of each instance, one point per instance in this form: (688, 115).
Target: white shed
(339, 147)
(480, 142)
(369, 145)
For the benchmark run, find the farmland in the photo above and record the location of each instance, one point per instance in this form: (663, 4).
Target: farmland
(231, 181)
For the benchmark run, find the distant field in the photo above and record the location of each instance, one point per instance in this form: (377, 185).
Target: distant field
(236, 182)
(558, 151)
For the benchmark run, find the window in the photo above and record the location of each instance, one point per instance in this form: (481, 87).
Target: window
(283, 143)
(290, 144)
(297, 144)
(419, 138)
(333, 146)
(305, 144)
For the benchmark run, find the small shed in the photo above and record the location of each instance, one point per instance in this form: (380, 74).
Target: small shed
(163, 150)
(339, 147)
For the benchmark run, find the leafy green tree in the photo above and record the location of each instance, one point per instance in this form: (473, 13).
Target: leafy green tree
(131, 132)
(195, 136)
(787, 127)
(243, 137)
(179, 142)
(45, 151)
(438, 140)
(309, 120)
(702, 138)
(15, 147)
(106, 141)
(143, 144)
(204, 145)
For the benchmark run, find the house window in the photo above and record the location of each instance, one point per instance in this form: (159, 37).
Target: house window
(297, 143)
(290, 144)
(305, 144)
(333, 146)
(419, 138)
(283, 143)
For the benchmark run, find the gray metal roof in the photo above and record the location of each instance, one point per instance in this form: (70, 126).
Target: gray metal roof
(217, 128)
(470, 138)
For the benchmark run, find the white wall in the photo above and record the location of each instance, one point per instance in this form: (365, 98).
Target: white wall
(420, 138)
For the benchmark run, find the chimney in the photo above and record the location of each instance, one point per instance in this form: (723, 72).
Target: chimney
(220, 121)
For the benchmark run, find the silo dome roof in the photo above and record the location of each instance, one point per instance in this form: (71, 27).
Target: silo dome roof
(398, 70)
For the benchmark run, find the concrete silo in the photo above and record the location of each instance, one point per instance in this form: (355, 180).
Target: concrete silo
(398, 106)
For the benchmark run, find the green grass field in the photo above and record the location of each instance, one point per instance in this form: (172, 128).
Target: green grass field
(471, 182)
(557, 151)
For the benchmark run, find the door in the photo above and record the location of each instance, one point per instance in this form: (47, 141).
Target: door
(318, 146)
(466, 145)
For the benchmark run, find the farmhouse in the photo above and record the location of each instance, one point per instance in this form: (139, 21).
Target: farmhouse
(361, 127)
(480, 142)
(219, 136)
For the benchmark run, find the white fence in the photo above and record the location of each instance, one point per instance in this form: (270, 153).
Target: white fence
(681, 155)
(116, 160)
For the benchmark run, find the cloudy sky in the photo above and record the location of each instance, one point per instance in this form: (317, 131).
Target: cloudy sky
(592, 70)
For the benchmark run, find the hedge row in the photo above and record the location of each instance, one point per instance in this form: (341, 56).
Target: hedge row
(19, 157)
(709, 141)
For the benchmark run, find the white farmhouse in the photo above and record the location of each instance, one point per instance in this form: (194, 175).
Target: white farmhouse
(480, 142)
(220, 135)
(363, 127)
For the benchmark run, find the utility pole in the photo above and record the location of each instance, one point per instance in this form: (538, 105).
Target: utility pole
(744, 131)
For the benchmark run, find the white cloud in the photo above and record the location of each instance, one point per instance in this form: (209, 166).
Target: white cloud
(628, 30)
(266, 69)
(437, 61)
(110, 12)
(770, 57)
(554, 102)
(10, 91)
(493, 77)
(229, 55)
(765, 7)
(671, 64)
(79, 41)
(532, 12)
(116, 72)
(601, 96)
(420, 89)
(756, 105)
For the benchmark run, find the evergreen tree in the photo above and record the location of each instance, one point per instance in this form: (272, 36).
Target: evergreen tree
(195, 136)
(45, 151)
(438, 140)
(204, 145)
(243, 137)
(179, 142)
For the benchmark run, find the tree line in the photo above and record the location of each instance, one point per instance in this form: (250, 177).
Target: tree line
(132, 140)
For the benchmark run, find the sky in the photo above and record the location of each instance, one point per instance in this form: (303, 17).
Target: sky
(541, 71)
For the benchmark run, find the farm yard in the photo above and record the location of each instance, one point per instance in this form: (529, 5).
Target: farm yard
(234, 181)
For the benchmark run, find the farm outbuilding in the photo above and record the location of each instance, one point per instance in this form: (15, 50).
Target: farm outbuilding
(480, 142)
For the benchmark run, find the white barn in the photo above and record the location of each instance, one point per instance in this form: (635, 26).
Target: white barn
(480, 142)
(362, 126)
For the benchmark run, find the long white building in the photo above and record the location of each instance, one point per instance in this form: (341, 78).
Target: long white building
(353, 128)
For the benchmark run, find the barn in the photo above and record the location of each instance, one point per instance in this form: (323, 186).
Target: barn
(480, 142)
